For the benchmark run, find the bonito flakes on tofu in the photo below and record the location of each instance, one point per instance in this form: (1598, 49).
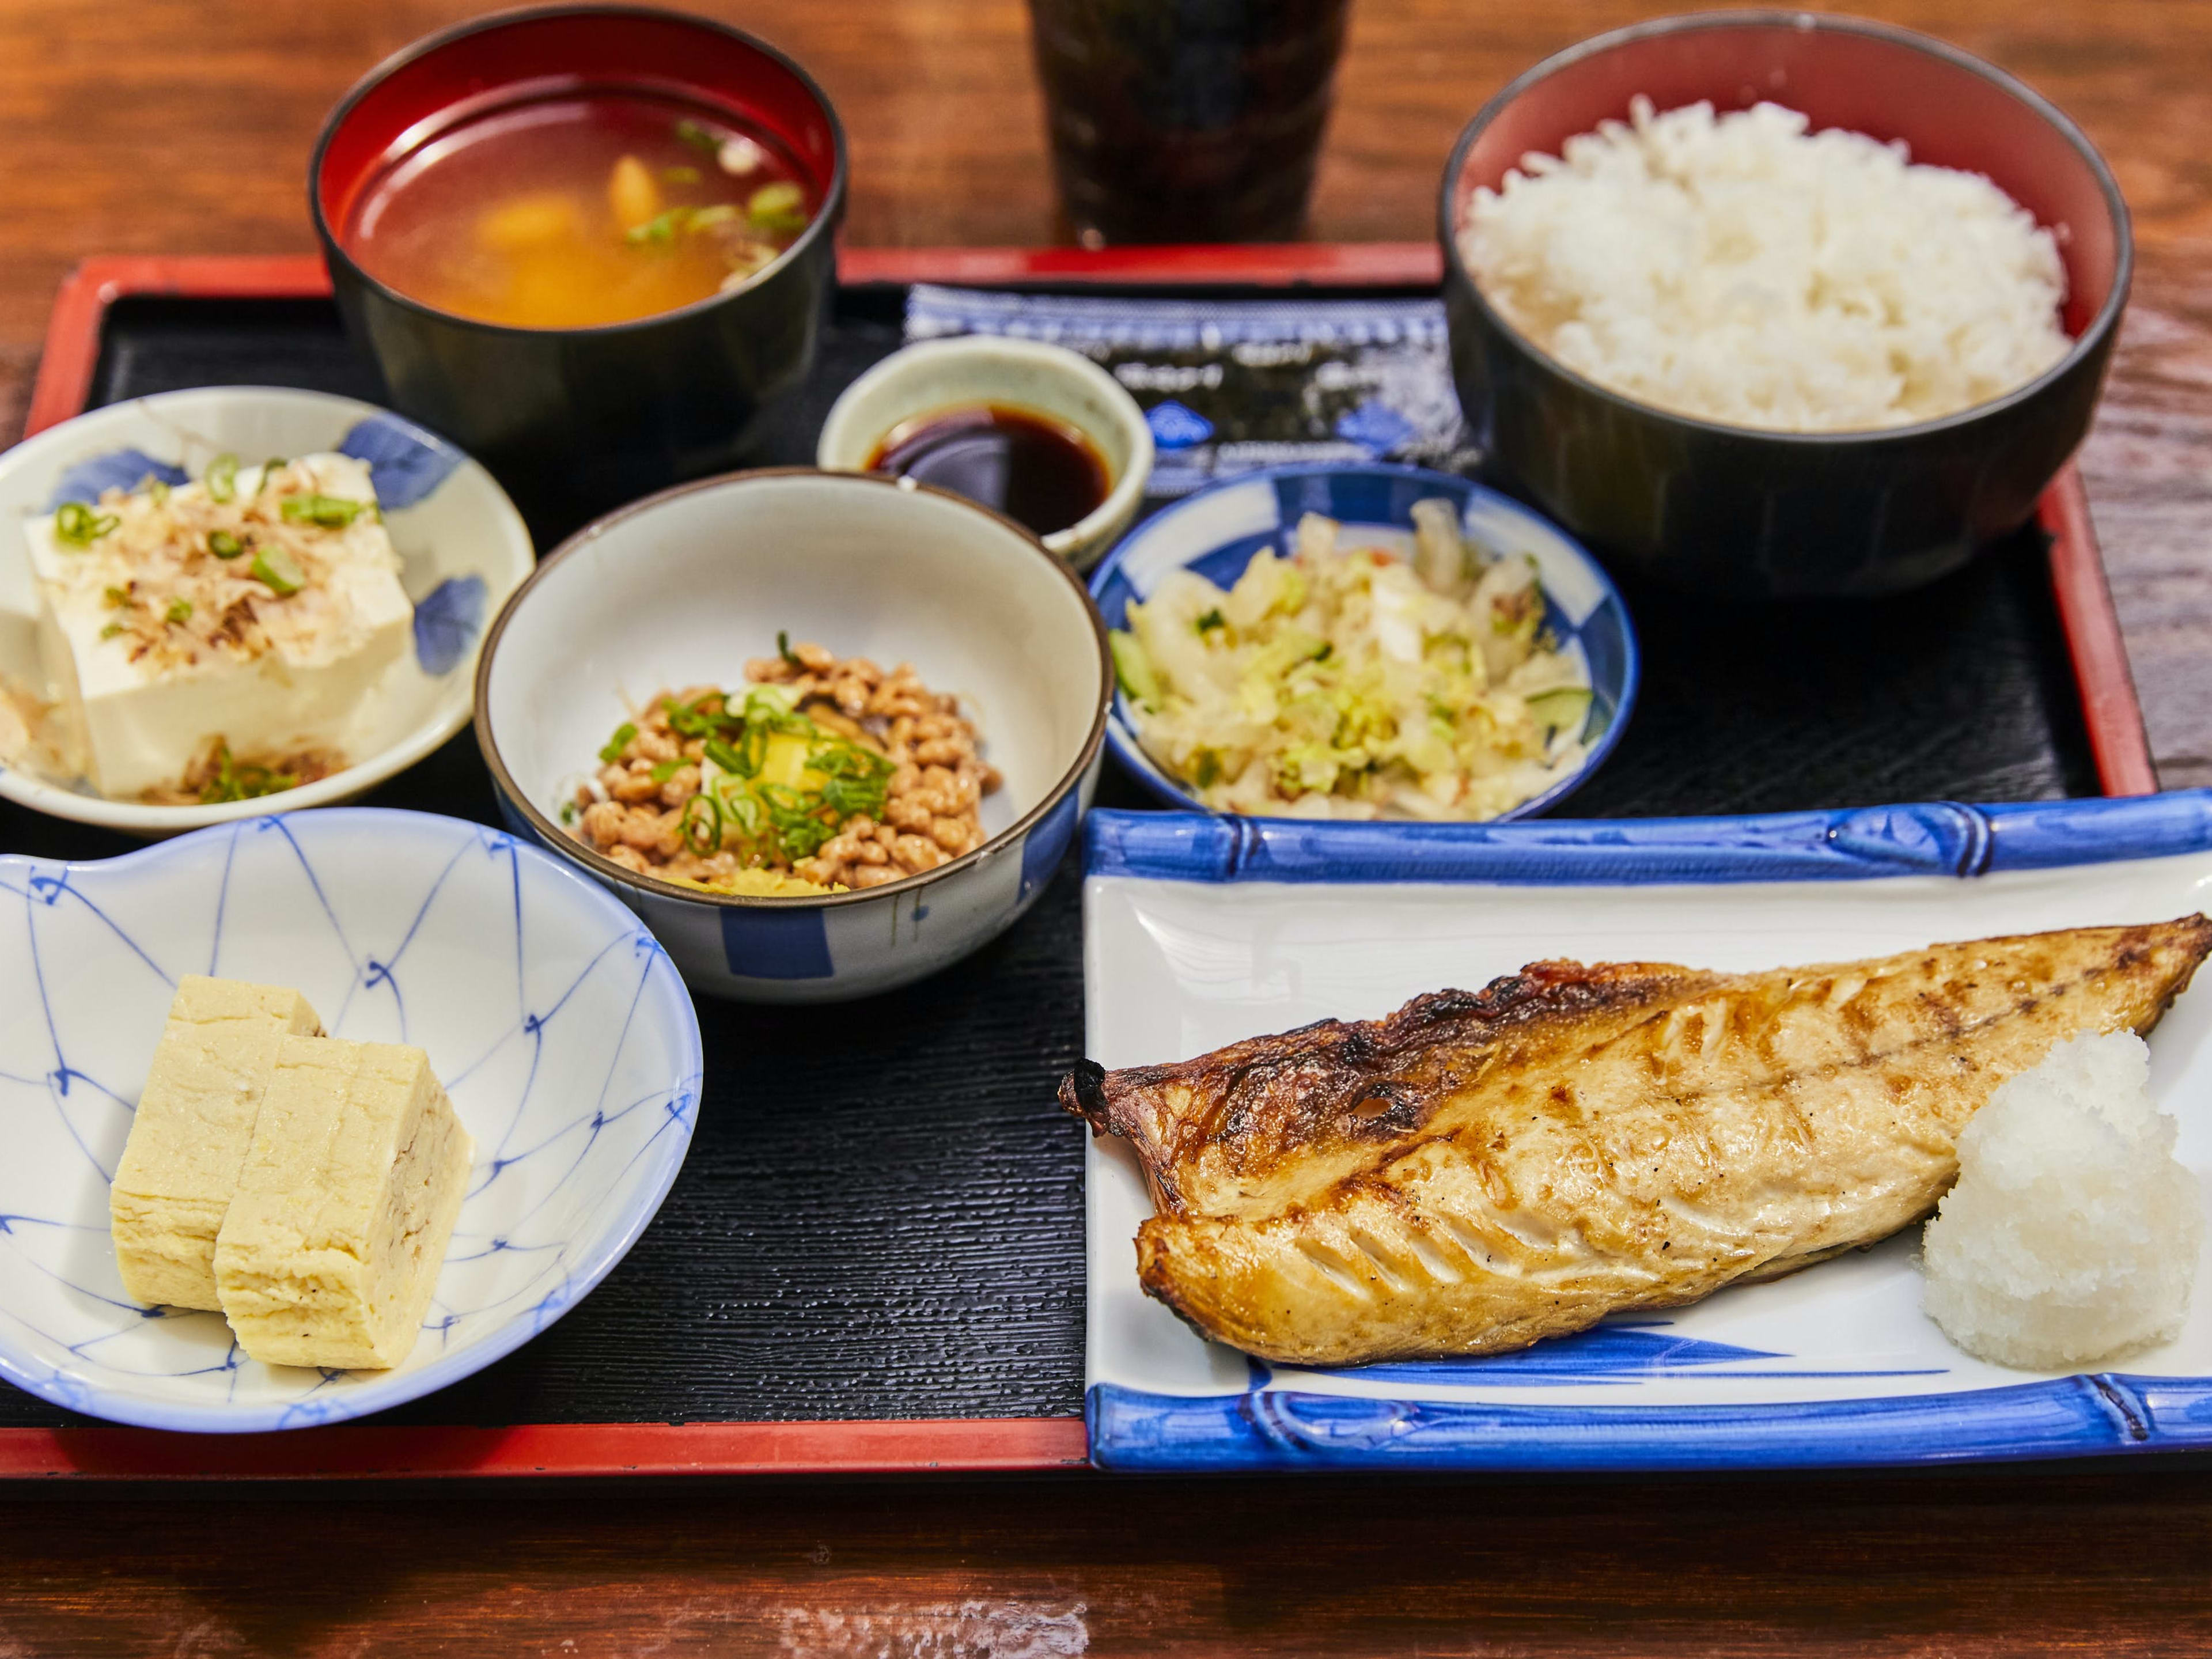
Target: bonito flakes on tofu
(222, 638)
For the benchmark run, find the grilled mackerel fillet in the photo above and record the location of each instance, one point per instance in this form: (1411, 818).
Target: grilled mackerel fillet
(1478, 1170)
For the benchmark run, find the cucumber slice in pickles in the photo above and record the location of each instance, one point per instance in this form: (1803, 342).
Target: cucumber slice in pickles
(1564, 708)
(1132, 666)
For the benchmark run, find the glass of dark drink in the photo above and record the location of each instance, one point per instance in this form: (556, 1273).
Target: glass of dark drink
(1186, 120)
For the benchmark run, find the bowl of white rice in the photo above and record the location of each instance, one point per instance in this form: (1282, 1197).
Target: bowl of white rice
(1771, 305)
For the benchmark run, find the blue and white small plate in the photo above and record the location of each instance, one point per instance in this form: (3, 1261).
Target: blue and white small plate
(559, 1027)
(461, 544)
(1216, 531)
(1200, 931)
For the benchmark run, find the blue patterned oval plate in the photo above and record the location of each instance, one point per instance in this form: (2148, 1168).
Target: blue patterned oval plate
(1217, 531)
(462, 546)
(558, 1025)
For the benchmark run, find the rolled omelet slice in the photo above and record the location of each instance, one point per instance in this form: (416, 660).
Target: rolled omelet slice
(344, 1206)
(188, 1140)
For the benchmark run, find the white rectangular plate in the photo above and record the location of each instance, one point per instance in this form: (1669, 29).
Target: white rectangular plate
(1200, 931)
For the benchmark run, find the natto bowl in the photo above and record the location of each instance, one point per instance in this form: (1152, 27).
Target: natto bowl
(681, 589)
(1745, 513)
(574, 421)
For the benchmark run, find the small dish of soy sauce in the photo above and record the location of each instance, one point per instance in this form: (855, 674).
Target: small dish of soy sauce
(1039, 472)
(1032, 431)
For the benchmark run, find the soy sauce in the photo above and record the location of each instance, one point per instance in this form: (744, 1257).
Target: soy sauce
(1038, 472)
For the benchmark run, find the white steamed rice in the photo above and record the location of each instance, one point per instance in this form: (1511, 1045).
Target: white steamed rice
(1738, 269)
(2073, 1233)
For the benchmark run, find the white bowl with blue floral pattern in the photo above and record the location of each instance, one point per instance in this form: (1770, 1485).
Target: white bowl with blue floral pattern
(558, 1025)
(1217, 531)
(462, 546)
(681, 588)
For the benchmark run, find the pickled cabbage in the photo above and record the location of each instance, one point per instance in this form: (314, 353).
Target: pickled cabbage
(1349, 683)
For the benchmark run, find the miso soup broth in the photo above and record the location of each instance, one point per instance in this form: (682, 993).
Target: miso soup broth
(577, 211)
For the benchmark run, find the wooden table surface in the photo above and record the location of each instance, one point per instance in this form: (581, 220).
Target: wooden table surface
(149, 125)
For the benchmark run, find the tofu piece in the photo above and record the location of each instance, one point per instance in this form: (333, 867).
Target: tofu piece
(332, 1245)
(133, 719)
(188, 1141)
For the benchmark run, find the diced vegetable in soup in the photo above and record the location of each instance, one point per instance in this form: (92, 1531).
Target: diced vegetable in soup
(574, 212)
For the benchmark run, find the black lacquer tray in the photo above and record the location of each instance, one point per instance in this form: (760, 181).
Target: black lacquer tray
(873, 1256)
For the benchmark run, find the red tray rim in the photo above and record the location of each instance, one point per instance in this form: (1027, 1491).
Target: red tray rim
(390, 1452)
(2096, 652)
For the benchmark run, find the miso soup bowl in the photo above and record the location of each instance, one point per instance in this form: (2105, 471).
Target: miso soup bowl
(1752, 514)
(574, 421)
(681, 589)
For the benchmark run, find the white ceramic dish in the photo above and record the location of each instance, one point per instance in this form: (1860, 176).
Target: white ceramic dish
(564, 1036)
(462, 545)
(938, 376)
(681, 588)
(1200, 931)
